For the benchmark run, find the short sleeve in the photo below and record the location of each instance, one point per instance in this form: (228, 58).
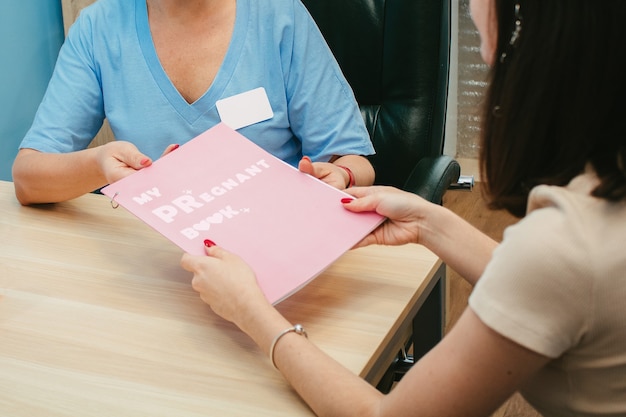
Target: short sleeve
(537, 289)
(72, 109)
(313, 80)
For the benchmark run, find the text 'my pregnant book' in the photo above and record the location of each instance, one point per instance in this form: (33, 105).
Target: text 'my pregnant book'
(287, 225)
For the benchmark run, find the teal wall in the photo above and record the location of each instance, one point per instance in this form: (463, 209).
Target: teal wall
(31, 33)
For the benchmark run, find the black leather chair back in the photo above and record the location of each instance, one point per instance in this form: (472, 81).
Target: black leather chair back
(395, 55)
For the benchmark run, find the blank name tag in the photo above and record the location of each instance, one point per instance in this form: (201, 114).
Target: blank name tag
(245, 109)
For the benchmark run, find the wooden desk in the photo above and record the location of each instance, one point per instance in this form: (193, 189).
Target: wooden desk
(97, 318)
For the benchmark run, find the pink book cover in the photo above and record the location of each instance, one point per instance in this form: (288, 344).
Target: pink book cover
(288, 226)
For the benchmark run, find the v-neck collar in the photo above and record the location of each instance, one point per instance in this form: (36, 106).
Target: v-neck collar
(191, 112)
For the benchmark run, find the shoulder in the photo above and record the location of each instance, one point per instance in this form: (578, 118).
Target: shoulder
(282, 11)
(567, 232)
(558, 229)
(572, 216)
(104, 14)
(540, 287)
(102, 28)
(554, 269)
(551, 246)
(278, 6)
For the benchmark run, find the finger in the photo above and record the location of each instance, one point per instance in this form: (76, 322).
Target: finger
(214, 251)
(188, 262)
(362, 204)
(136, 160)
(360, 192)
(208, 243)
(170, 148)
(200, 264)
(306, 165)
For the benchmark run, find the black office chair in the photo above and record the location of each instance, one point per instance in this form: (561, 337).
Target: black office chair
(396, 56)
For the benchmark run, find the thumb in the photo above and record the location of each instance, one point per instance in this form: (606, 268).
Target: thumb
(214, 251)
(217, 252)
(191, 262)
(135, 159)
(144, 161)
(194, 263)
(306, 165)
(362, 204)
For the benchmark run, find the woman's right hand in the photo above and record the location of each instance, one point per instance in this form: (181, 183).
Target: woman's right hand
(119, 159)
(405, 214)
(412, 219)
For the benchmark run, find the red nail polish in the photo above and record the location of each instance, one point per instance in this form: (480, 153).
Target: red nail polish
(144, 161)
(346, 200)
(175, 147)
(208, 243)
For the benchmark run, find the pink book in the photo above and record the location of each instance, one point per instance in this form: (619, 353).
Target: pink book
(289, 226)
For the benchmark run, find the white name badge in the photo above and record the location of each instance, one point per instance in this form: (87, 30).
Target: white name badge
(245, 109)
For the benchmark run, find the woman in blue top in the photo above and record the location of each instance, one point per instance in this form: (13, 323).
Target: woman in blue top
(155, 70)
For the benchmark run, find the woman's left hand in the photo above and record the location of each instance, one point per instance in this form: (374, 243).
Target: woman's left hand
(328, 172)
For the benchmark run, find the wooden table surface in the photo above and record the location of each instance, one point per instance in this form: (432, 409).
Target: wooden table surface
(97, 318)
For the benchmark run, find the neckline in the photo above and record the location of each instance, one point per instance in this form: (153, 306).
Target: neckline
(191, 112)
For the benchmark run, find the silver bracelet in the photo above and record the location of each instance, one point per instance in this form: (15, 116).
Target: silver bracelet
(297, 329)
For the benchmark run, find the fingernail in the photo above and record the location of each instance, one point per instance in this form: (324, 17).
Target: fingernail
(346, 200)
(208, 243)
(145, 161)
(175, 147)
(307, 158)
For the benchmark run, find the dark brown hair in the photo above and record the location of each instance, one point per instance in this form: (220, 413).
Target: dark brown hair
(556, 100)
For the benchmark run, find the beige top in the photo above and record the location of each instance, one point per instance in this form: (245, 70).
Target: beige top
(557, 285)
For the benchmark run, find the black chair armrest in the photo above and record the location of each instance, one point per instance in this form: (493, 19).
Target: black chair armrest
(432, 176)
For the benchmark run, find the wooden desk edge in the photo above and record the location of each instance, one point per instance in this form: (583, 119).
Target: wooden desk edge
(398, 335)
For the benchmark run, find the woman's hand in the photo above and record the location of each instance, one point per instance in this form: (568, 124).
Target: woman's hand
(119, 159)
(412, 219)
(225, 282)
(170, 148)
(405, 214)
(328, 172)
(341, 172)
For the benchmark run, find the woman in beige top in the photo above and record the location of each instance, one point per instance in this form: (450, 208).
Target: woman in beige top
(547, 314)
